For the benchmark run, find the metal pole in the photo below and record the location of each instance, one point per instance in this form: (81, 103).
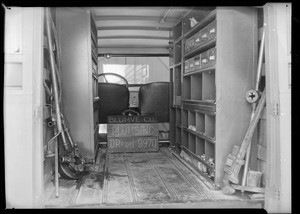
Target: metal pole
(54, 80)
(56, 165)
(261, 52)
(258, 75)
(56, 101)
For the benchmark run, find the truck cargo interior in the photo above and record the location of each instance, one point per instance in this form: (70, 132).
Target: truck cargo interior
(148, 107)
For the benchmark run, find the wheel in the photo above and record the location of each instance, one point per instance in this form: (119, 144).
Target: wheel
(71, 171)
(113, 74)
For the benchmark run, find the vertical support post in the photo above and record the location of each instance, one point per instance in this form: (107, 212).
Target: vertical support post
(277, 16)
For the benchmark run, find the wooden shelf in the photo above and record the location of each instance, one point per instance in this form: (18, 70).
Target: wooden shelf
(206, 107)
(199, 134)
(176, 106)
(178, 40)
(209, 18)
(178, 64)
(199, 49)
(213, 68)
(197, 157)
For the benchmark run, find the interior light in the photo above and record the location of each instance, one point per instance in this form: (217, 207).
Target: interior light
(107, 56)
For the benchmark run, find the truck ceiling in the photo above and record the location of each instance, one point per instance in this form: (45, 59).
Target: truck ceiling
(136, 30)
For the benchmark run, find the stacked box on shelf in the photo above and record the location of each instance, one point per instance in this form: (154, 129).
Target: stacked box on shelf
(202, 36)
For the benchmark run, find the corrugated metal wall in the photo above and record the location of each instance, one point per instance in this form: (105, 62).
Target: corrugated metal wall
(158, 66)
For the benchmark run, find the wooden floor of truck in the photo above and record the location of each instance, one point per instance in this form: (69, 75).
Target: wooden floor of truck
(153, 179)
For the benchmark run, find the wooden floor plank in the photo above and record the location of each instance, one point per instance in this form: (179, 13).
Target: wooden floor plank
(163, 177)
(182, 187)
(130, 179)
(153, 179)
(67, 192)
(91, 188)
(197, 181)
(118, 182)
(149, 186)
(105, 179)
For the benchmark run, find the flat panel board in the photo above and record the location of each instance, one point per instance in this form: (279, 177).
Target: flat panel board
(132, 133)
(74, 37)
(236, 64)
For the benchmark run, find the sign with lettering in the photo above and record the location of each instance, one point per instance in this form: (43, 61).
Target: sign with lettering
(132, 129)
(122, 119)
(132, 144)
(132, 133)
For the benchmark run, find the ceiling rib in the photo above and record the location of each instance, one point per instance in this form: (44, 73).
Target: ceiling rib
(137, 46)
(133, 28)
(133, 18)
(134, 37)
(137, 55)
(125, 51)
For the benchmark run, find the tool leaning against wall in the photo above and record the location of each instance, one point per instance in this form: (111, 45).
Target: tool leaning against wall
(235, 160)
(68, 161)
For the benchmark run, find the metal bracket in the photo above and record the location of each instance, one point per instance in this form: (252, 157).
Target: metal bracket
(276, 109)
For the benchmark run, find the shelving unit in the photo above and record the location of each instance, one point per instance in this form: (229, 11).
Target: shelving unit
(78, 36)
(217, 67)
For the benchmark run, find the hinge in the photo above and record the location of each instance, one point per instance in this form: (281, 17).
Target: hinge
(37, 111)
(276, 109)
(274, 193)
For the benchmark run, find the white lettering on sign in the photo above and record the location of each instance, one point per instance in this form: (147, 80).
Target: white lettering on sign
(117, 143)
(122, 144)
(132, 130)
(147, 143)
(131, 119)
